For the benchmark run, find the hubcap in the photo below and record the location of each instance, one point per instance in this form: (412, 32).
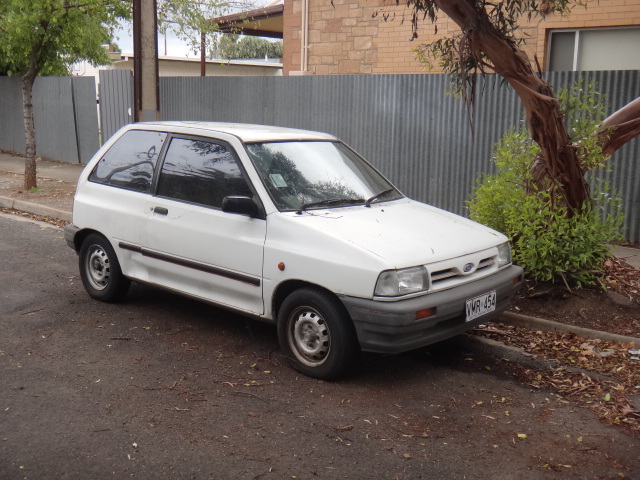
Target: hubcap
(97, 267)
(309, 336)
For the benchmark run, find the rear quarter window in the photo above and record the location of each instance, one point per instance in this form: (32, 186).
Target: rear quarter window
(130, 162)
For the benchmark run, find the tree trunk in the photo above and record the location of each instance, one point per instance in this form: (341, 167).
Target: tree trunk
(30, 180)
(558, 169)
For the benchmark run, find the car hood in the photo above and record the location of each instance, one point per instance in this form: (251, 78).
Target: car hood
(402, 233)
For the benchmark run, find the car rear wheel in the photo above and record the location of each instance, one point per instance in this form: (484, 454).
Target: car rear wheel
(100, 270)
(317, 334)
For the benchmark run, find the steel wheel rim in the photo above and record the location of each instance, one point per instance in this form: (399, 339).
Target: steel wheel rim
(309, 336)
(97, 267)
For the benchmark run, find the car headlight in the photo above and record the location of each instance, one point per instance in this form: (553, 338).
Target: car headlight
(504, 254)
(393, 283)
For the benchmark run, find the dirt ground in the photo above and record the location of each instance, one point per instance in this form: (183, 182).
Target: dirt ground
(51, 192)
(615, 309)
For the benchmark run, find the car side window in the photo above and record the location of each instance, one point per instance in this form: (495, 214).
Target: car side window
(201, 172)
(131, 162)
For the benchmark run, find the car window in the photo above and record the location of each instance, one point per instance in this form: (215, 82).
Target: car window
(312, 174)
(130, 163)
(201, 172)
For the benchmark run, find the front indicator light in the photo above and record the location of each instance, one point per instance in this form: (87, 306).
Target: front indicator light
(427, 312)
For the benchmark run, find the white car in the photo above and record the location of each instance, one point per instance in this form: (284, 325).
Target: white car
(288, 226)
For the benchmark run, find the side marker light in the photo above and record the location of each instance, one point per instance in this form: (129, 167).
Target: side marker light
(427, 312)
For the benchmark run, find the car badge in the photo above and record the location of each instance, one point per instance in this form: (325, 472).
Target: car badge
(468, 267)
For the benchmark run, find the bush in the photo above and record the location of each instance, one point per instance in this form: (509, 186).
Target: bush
(549, 243)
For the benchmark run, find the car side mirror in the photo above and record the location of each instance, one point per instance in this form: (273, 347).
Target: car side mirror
(240, 205)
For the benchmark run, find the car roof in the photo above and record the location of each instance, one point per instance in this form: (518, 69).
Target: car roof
(246, 132)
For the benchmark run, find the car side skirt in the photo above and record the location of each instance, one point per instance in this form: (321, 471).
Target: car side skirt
(191, 264)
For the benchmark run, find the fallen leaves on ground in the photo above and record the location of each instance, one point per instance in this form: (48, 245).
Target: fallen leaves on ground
(602, 376)
(612, 307)
(622, 277)
(41, 218)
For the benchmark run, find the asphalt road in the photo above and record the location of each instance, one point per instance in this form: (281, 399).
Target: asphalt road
(164, 387)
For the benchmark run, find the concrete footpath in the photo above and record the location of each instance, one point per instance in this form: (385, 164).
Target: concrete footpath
(64, 177)
(56, 180)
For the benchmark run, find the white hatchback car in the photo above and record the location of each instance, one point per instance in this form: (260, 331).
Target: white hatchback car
(287, 226)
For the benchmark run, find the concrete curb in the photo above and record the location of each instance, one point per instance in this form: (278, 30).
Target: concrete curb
(34, 208)
(534, 323)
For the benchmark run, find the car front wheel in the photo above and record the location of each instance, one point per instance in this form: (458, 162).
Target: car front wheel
(100, 270)
(316, 333)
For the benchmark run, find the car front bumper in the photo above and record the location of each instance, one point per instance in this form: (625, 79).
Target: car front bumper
(392, 327)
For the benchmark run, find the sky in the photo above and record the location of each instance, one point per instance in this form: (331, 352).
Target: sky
(168, 45)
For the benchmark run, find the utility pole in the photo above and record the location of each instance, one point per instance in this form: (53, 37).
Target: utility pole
(146, 91)
(203, 54)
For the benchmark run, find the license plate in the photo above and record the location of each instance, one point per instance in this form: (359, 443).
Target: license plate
(481, 305)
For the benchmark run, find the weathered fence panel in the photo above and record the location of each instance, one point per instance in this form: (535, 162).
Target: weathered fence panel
(86, 125)
(405, 125)
(65, 115)
(420, 138)
(11, 119)
(116, 101)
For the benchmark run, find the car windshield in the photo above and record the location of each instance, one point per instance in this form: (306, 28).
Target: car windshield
(307, 175)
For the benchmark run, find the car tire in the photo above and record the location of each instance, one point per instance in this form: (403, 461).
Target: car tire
(317, 334)
(100, 270)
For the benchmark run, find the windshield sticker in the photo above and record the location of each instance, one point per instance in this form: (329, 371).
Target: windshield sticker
(277, 180)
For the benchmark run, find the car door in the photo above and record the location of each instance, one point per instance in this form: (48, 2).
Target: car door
(118, 189)
(190, 244)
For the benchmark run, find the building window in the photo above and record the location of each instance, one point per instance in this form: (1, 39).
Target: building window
(594, 49)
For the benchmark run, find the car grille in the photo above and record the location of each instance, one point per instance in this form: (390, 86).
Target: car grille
(448, 276)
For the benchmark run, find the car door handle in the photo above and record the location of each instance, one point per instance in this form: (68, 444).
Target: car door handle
(160, 210)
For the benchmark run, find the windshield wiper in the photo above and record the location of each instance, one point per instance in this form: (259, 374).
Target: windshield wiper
(330, 202)
(377, 196)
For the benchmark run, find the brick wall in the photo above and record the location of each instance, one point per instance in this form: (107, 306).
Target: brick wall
(373, 36)
(291, 24)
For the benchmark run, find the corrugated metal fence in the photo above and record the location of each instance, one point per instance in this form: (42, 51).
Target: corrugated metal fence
(404, 124)
(116, 101)
(65, 112)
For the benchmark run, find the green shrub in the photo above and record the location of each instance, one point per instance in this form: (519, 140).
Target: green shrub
(548, 243)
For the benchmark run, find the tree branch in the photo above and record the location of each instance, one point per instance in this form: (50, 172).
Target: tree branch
(630, 111)
(620, 127)
(559, 167)
(615, 137)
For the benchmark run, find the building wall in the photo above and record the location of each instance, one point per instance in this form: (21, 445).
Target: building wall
(291, 34)
(374, 36)
(597, 13)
